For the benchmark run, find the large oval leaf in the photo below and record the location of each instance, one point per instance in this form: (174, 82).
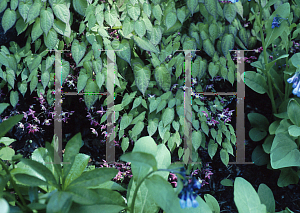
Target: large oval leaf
(155, 35)
(168, 116)
(78, 51)
(34, 11)
(80, 6)
(227, 44)
(211, 7)
(171, 19)
(229, 12)
(133, 11)
(208, 47)
(163, 77)
(145, 44)
(9, 19)
(47, 19)
(24, 6)
(51, 39)
(36, 30)
(142, 76)
(90, 99)
(192, 4)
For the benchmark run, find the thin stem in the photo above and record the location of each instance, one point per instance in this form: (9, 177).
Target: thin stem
(266, 61)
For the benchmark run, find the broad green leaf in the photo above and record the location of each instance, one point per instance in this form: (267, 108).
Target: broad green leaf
(140, 159)
(246, 198)
(212, 148)
(24, 6)
(211, 7)
(30, 180)
(62, 12)
(208, 47)
(80, 6)
(266, 197)
(78, 50)
(136, 102)
(163, 77)
(155, 35)
(157, 12)
(142, 77)
(227, 43)
(293, 110)
(137, 129)
(3, 106)
(168, 116)
(128, 26)
(133, 11)
(145, 44)
(256, 82)
(125, 121)
(213, 69)
(94, 177)
(100, 79)
(41, 170)
(196, 139)
(125, 50)
(9, 19)
(152, 126)
(14, 98)
(62, 28)
(140, 28)
(147, 9)
(229, 12)
(214, 31)
(36, 30)
(110, 17)
(6, 153)
(34, 10)
(79, 165)
(21, 26)
(10, 77)
(51, 39)
(224, 156)
(181, 15)
(90, 99)
(33, 83)
(171, 19)
(6, 125)
(47, 19)
(22, 87)
(59, 201)
(192, 4)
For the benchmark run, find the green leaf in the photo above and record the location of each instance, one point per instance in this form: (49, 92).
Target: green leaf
(36, 30)
(71, 150)
(9, 19)
(212, 148)
(196, 139)
(152, 126)
(140, 28)
(256, 82)
(6, 125)
(6, 153)
(142, 77)
(78, 51)
(24, 6)
(227, 43)
(14, 98)
(133, 11)
(213, 69)
(30, 180)
(47, 19)
(137, 129)
(140, 159)
(10, 77)
(229, 12)
(22, 87)
(34, 11)
(100, 79)
(171, 18)
(211, 7)
(49, 61)
(79, 165)
(293, 109)
(147, 9)
(125, 144)
(41, 170)
(51, 39)
(224, 156)
(94, 177)
(168, 116)
(125, 121)
(110, 17)
(136, 102)
(125, 50)
(128, 26)
(33, 83)
(59, 201)
(3, 106)
(156, 36)
(145, 44)
(90, 99)
(62, 28)
(3, 203)
(80, 6)
(208, 47)
(62, 12)
(181, 14)
(246, 198)
(20, 26)
(163, 77)
(157, 12)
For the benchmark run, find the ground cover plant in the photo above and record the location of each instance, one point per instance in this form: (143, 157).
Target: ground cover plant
(151, 94)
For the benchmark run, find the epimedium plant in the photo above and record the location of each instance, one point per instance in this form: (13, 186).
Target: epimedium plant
(145, 30)
(280, 149)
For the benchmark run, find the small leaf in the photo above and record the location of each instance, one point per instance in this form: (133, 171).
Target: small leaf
(14, 98)
(9, 19)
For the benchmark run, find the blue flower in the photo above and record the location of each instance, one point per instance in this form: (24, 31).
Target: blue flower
(188, 196)
(296, 83)
(276, 21)
(233, 1)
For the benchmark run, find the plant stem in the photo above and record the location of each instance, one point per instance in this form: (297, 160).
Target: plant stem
(16, 188)
(266, 61)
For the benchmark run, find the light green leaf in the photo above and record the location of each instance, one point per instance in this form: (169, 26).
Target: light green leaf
(137, 129)
(140, 28)
(62, 12)
(34, 10)
(229, 12)
(155, 35)
(227, 43)
(171, 19)
(36, 30)
(80, 6)
(47, 19)
(51, 39)
(142, 77)
(125, 121)
(192, 4)
(82, 79)
(14, 98)
(163, 77)
(145, 44)
(9, 19)
(134, 11)
(168, 116)
(78, 51)
(211, 7)
(24, 6)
